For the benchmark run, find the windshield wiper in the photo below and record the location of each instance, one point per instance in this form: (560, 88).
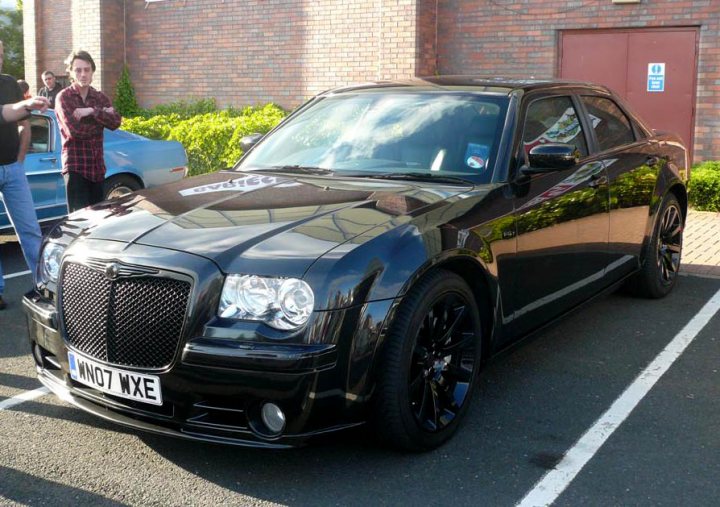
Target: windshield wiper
(301, 169)
(436, 178)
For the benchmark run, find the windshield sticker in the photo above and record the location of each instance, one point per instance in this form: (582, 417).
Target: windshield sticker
(475, 162)
(476, 155)
(243, 184)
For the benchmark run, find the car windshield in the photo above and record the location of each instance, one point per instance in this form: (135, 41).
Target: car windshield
(451, 136)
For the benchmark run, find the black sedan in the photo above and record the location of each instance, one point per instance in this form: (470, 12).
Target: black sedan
(359, 263)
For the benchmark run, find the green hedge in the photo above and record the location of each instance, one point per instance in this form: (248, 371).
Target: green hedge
(211, 137)
(183, 109)
(704, 186)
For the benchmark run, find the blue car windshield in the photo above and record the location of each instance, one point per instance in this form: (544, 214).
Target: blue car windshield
(379, 133)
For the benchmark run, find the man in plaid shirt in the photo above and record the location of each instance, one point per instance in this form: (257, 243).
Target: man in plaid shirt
(83, 112)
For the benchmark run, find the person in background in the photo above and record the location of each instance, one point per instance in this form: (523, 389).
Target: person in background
(82, 113)
(24, 88)
(51, 88)
(14, 188)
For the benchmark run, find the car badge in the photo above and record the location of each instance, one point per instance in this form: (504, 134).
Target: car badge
(112, 271)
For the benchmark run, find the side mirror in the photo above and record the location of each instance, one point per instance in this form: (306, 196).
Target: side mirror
(545, 158)
(248, 142)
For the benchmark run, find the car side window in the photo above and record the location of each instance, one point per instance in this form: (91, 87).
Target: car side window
(553, 120)
(39, 134)
(612, 127)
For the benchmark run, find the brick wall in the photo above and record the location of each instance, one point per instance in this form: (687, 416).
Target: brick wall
(112, 55)
(427, 32)
(30, 45)
(54, 37)
(506, 37)
(282, 51)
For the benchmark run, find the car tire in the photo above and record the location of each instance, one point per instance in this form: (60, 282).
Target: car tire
(119, 185)
(429, 365)
(661, 259)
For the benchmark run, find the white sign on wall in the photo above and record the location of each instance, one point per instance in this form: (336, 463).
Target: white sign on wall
(656, 77)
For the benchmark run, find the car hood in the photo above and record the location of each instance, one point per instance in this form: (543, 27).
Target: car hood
(250, 221)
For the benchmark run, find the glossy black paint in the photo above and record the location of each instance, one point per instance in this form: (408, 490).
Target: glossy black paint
(530, 246)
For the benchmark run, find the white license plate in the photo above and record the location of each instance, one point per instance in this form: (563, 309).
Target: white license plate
(123, 383)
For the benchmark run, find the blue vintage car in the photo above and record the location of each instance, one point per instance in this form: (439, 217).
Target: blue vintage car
(133, 162)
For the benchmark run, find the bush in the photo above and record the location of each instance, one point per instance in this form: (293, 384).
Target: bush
(211, 138)
(704, 186)
(182, 109)
(125, 101)
(156, 127)
(206, 138)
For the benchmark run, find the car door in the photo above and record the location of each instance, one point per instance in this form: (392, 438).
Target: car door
(561, 217)
(633, 166)
(43, 166)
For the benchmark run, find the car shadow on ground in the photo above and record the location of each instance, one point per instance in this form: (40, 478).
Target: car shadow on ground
(18, 381)
(32, 490)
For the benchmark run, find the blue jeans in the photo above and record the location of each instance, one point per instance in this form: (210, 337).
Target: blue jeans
(18, 201)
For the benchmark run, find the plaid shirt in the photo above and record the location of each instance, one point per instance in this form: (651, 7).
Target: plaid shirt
(82, 140)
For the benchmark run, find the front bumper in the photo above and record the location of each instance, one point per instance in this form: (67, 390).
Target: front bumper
(215, 388)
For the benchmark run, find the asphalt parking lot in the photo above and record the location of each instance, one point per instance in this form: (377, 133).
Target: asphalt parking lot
(533, 406)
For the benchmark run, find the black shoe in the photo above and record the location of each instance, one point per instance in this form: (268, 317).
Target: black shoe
(3, 305)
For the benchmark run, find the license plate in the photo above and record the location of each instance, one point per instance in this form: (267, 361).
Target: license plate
(123, 383)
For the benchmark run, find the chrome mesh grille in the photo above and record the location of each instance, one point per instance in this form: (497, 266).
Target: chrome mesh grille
(130, 321)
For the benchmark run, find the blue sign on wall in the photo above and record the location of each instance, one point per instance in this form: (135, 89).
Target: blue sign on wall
(656, 77)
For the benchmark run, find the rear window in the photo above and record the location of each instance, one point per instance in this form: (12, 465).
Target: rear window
(612, 127)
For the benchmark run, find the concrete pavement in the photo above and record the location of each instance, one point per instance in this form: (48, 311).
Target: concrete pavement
(701, 244)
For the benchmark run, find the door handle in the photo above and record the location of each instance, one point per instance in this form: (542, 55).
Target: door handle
(48, 159)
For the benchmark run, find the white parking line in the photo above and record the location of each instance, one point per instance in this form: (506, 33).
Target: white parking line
(15, 275)
(23, 397)
(27, 395)
(554, 482)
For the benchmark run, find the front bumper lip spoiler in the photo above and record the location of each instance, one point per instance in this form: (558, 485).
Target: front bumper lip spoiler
(62, 391)
(65, 394)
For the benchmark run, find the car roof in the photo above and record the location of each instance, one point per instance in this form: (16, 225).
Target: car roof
(494, 85)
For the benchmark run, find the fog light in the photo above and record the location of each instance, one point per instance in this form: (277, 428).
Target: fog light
(273, 418)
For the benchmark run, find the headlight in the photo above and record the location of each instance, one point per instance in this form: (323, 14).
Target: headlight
(283, 303)
(50, 262)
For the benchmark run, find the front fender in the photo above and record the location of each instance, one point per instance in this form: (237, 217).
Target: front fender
(385, 267)
(361, 271)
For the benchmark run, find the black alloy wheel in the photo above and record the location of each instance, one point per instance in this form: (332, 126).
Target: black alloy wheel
(661, 261)
(669, 245)
(431, 361)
